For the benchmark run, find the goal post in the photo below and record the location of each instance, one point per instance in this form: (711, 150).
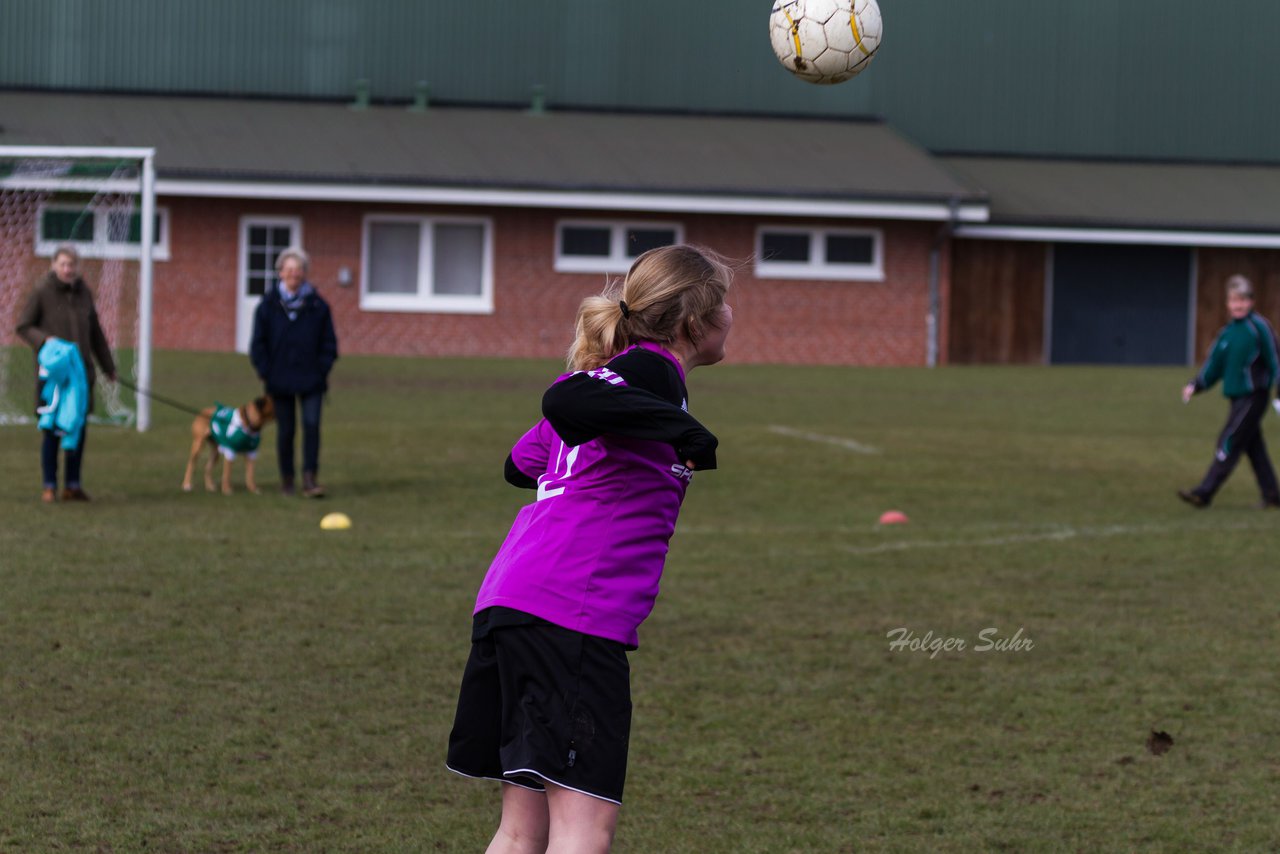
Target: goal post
(87, 197)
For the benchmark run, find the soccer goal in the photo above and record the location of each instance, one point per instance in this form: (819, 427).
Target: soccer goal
(101, 201)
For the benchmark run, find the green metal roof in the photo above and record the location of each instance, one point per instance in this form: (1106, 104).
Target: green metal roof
(258, 140)
(1161, 196)
(1138, 79)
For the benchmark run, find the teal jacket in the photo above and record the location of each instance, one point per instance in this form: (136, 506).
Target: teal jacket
(64, 391)
(1243, 357)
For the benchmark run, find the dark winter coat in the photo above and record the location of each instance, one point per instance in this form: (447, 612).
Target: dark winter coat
(293, 352)
(60, 310)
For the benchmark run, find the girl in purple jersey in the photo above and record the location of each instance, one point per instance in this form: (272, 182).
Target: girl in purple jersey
(545, 704)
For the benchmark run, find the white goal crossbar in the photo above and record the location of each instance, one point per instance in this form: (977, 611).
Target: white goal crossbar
(147, 199)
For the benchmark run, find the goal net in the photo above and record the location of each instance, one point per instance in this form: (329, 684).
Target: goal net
(101, 202)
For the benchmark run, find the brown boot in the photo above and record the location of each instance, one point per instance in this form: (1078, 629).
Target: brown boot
(49, 495)
(74, 493)
(286, 487)
(311, 489)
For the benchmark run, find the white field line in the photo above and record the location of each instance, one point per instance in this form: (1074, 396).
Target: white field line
(839, 442)
(1057, 534)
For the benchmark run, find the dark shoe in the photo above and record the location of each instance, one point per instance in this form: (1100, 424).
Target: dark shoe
(1269, 504)
(286, 487)
(1195, 499)
(49, 495)
(311, 489)
(74, 494)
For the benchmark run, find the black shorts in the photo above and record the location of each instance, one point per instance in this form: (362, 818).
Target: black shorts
(543, 704)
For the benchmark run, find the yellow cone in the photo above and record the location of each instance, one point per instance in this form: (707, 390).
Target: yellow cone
(335, 522)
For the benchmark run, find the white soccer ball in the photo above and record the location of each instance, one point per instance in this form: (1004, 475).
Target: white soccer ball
(825, 41)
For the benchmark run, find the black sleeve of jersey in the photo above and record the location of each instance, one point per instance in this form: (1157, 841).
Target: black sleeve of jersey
(647, 370)
(582, 408)
(515, 477)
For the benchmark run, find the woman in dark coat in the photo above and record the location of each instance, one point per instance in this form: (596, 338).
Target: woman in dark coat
(293, 349)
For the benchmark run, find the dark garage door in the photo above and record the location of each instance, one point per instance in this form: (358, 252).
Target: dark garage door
(1120, 305)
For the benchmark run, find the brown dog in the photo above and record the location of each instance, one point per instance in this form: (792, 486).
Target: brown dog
(228, 431)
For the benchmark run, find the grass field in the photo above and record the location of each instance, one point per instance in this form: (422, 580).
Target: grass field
(196, 673)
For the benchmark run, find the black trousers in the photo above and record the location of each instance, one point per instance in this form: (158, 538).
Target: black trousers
(1242, 435)
(49, 458)
(286, 424)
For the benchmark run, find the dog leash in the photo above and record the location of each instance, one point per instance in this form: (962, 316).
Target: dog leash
(175, 404)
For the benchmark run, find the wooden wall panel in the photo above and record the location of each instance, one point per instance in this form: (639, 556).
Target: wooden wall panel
(996, 311)
(1214, 267)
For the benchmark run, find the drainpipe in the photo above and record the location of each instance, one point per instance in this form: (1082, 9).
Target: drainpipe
(935, 273)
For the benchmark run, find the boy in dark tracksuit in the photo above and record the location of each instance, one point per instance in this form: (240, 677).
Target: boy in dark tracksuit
(1244, 358)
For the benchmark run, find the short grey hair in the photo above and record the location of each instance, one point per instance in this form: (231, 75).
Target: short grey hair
(297, 254)
(68, 250)
(1238, 285)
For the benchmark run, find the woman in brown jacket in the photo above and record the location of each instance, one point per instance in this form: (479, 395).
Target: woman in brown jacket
(61, 306)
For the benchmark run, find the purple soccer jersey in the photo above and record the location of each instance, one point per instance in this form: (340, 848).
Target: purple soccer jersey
(588, 554)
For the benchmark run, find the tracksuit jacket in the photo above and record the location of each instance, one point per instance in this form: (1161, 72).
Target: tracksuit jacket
(1243, 357)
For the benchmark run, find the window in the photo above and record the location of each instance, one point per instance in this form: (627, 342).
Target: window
(262, 238)
(785, 252)
(587, 246)
(415, 263)
(264, 241)
(99, 233)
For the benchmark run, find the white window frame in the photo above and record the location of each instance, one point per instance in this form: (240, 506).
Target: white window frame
(100, 246)
(424, 300)
(817, 266)
(248, 221)
(618, 261)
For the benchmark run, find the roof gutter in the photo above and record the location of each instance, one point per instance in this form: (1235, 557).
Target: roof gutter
(796, 206)
(1144, 236)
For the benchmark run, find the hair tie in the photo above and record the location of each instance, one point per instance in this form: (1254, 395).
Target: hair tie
(626, 312)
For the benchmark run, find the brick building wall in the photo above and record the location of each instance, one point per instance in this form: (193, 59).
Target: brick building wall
(779, 321)
(776, 321)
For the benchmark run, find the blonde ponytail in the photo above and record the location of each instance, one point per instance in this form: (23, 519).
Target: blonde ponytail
(669, 291)
(598, 334)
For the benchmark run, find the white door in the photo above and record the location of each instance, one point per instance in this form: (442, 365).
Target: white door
(262, 238)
